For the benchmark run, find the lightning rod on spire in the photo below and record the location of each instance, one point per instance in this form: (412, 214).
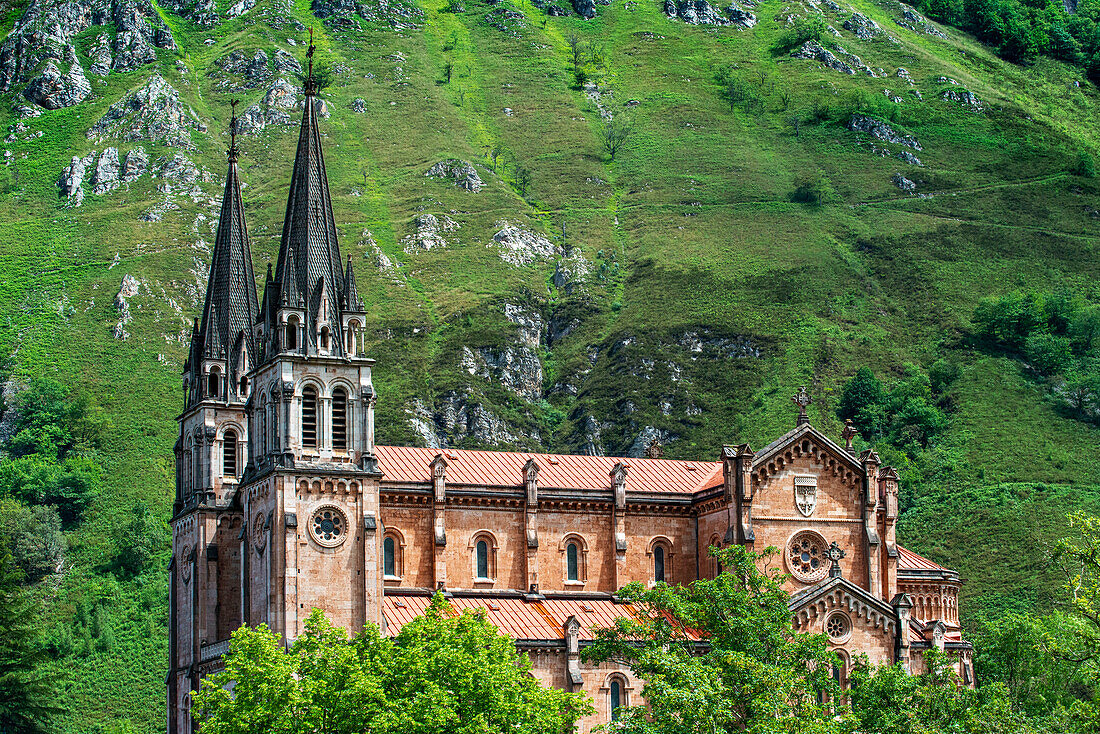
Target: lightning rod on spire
(233, 151)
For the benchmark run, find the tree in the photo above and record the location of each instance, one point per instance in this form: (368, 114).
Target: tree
(448, 69)
(523, 178)
(863, 400)
(444, 672)
(145, 538)
(576, 50)
(754, 674)
(33, 536)
(27, 692)
(615, 133)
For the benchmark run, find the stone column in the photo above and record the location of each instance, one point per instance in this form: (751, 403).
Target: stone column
(531, 482)
(285, 431)
(618, 491)
(902, 605)
(439, 508)
(870, 461)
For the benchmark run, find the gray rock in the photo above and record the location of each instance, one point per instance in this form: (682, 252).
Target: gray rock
(105, 176)
(530, 323)
(963, 97)
(645, 437)
(739, 16)
(700, 12)
(141, 31)
(462, 172)
(281, 96)
(129, 288)
(571, 272)
(519, 246)
(881, 131)
(585, 8)
(864, 28)
(53, 90)
(429, 233)
(909, 158)
(359, 105)
(71, 180)
(179, 168)
(593, 435)
(137, 163)
(517, 369)
(903, 183)
(286, 63)
(150, 113)
(239, 8)
(101, 52)
(814, 50)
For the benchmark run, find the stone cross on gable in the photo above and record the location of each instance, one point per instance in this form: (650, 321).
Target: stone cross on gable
(848, 434)
(654, 450)
(834, 553)
(802, 400)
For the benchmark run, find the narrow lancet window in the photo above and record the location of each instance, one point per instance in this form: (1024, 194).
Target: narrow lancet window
(229, 454)
(309, 417)
(339, 419)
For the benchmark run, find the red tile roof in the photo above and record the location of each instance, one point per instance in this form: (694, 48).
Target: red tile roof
(556, 471)
(910, 561)
(518, 618)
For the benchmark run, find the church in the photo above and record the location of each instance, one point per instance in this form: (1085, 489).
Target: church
(285, 503)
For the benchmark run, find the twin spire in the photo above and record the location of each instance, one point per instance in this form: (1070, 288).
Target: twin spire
(310, 277)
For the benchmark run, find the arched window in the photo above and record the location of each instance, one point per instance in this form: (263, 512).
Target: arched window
(392, 556)
(658, 563)
(340, 419)
(572, 562)
(244, 387)
(716, 544)
(309, 417)
(482, 570)
(213, 383)
(324, 338)
(229, 454)
(617, 696)
(292, 333)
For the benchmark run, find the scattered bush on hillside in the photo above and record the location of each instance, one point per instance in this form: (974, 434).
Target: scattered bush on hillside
(33, 537)
(1020, 30)
(736, 90)
(144, 541)
(51, 457)
(811, 189)
(905, 415)
(808, 28)
(1084, 165)
(615, 134)
(1057, 335)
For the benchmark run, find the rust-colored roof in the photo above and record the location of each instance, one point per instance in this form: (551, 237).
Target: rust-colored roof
(910, 561)
(518, 618)
(556, 471)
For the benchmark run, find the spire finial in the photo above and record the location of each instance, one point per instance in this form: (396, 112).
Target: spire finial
(310, 90)
(802, 400)
(233, 150)
(834, 553)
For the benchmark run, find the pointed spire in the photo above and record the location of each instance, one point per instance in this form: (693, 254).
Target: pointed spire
(352, 301)
(230, 309)
(309, 270)
(311, 88)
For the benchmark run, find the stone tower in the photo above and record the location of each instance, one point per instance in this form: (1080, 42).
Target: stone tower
(211, 451)
(277, 501)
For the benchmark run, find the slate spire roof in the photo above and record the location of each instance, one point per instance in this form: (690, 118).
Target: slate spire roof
(309, 273)
(230, 310)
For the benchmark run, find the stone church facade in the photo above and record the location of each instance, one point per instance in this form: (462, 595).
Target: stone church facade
(284, 502)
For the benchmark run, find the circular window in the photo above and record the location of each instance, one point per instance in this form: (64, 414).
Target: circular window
(838, 627)
(806, 557)
(259, 534)
(329, 526)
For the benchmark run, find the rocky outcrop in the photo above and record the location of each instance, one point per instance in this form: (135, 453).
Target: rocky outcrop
(397, 14)
(530, 323)
(460, 418)
(429, 233)
(963, 97)
(851, 64)
(105, 176)
(645, 437)
(71, 181)
(914, 21)
(700, 12)
(585, 8)
(129, 288)
(909, 158)
(517, 369)
(53, 89)
(137, 163)
(519, 246)
(203, 13)
(903, 183)
(571, 271)
(864, 28)
(704, 344)
(47, 29)
(881, 131)
(255, 69)
(150, 113)
(461, 172)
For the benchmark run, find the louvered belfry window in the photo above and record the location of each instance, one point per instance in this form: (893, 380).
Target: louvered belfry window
(309, 417)
(229, 454)
(339, 420)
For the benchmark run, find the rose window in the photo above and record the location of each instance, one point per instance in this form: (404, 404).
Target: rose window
(329, 526)
(838, 627)
(806, 557)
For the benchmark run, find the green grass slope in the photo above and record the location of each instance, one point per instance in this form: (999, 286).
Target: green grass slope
(690, 232)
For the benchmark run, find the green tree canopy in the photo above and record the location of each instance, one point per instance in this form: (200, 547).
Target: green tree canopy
(444, 673)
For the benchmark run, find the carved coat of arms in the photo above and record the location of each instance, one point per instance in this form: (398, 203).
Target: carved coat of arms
(805, 494)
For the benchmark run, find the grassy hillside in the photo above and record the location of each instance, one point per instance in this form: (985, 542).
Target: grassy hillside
(705, 293)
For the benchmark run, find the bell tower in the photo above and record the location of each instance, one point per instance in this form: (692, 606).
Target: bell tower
(211, 453)
(309, 494)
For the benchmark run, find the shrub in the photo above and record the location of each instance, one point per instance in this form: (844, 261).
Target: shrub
(1048, 353)
(1084, 165)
